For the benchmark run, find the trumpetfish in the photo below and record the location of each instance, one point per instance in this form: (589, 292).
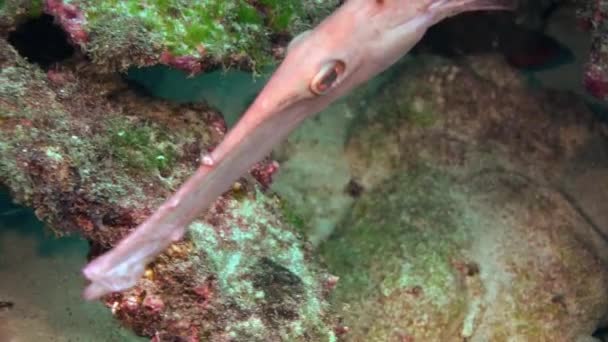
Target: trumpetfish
(360, 39)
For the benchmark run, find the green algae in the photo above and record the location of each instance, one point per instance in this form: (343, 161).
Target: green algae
(44, 129)
(219, 29)
(13, 177)
(54, 154)
(143, 147)
(290, 215)
(13, 84)
(16, 10)
(400, 102)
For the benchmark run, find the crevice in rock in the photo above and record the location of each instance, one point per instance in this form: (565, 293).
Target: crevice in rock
(42, 42)
(601, 334)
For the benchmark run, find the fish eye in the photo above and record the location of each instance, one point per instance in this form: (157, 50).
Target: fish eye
(327, 77)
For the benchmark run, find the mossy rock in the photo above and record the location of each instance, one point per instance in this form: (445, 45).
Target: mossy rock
(14, 12)
(394, 255)
(498, 257)
(190, 35)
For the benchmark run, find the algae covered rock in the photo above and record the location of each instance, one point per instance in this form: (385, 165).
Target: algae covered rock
(430, 257)
(394, 257)
(242, 275)
(14, 12)
(475, 114)
(475, 222)
(94, 156)
(189, 35)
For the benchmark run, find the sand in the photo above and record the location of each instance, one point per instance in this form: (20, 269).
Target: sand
(39, 275)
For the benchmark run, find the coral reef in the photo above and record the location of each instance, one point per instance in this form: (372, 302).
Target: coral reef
(472, 223)
(94, 156)
(192, 36)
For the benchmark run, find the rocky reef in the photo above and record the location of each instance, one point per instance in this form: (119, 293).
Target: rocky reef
(474, 223)
(191, 36)
(95, 155)
(467, 204)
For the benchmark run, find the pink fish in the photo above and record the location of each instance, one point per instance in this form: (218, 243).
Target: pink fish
(359, 40)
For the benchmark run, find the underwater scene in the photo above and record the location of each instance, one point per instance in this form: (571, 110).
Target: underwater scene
(304, 170)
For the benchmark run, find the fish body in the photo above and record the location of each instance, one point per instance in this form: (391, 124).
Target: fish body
(356, 42)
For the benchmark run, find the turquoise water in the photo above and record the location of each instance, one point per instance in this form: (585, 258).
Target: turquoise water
(40, 277)
(230, 92)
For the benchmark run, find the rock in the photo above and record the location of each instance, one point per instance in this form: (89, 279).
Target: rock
(472, 226)
(593, 18)
(191, 36)
(93, 156)
(315, 174)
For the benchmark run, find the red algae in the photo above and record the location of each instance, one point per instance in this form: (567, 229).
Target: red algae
(70, 18)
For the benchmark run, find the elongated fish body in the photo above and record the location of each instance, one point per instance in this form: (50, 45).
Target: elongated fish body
(359, 40)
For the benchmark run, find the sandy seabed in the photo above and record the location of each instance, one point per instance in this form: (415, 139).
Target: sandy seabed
(40, 278)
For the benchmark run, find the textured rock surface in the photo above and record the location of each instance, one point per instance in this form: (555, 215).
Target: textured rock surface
(94, 157)
(593, 18)
(315, 174)
(454, 260)
(471, 225)
(190, 35)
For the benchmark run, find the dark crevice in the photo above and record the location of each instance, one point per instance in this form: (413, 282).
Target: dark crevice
(473, 33)
(601, 334)
(42, 42)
